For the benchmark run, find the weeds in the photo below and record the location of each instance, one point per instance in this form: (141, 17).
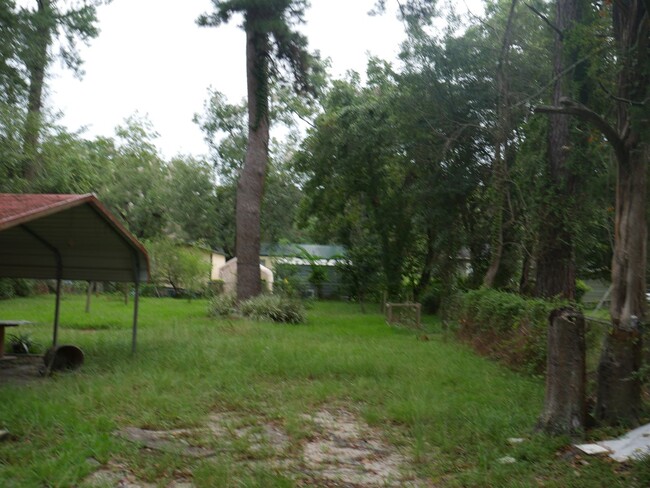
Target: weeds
(448, 411)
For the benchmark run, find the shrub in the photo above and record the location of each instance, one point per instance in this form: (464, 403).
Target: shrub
(6, 288)
(149, 290)
(581, 289)
(24, 288)
(431, 299)
(18, 287)
(223, 305)
(215, 287)
(23, 344)
(506, 327)
(275, 308)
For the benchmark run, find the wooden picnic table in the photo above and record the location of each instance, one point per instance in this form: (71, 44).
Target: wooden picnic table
(8, 323)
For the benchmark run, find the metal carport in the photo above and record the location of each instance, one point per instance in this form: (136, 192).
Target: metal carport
(68, 237)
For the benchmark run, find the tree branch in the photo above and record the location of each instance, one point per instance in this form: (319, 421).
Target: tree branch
(570, 107)
(623, 100)
(558, 76)
(546, 20)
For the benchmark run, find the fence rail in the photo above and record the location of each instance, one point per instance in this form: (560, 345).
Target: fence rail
(393, 318)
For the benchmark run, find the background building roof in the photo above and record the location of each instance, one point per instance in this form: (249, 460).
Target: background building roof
(319, 251)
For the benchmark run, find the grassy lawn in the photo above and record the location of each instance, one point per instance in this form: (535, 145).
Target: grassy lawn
(445, 410)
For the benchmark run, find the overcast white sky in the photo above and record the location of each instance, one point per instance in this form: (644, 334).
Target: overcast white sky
(152, 58)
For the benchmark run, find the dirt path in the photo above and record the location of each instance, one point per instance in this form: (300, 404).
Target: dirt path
(338, 450)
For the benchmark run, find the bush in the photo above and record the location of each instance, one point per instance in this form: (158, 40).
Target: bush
(23, 344)
(274, 308)
(6, 289)
(431, 299)
(581, 289)
(11, 288)
(149, 290)
(215, 288)
(506, 327)
(223, 305)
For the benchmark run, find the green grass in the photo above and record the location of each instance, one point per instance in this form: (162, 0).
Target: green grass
(449, 410)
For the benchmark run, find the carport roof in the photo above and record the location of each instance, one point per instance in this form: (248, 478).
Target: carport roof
(72, 237)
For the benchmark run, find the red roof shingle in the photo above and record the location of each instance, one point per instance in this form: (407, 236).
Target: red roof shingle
(15, 208)
(69, 225)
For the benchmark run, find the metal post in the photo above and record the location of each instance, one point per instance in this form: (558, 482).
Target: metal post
(88, 293)
(136, 302)
(59, 277)
(57, 311)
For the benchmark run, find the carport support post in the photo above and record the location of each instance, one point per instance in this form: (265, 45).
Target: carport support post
(136, 303)
(57, 310)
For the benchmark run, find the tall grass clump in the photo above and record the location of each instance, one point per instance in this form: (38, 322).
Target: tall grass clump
(276, 308)
(223, 305)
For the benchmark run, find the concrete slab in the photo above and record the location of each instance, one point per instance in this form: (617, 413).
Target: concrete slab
(633, 445)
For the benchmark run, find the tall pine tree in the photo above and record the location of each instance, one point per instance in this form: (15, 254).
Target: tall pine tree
(273, 47)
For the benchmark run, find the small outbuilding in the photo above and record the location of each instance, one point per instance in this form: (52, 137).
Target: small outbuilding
(68, 237)
(300, 261)
(228, 274)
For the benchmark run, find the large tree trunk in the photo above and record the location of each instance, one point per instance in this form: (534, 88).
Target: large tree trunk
(619, 389)
(555, 259)
(36, 65)
(250, 186)
(564, 402)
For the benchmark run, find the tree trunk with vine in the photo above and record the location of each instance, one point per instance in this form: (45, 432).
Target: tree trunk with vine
(556, 271)
(619, 389)
(500, 164)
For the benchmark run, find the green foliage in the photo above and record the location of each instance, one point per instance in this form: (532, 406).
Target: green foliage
(215, 288)
(16, 287)
(225, 128)
(277, 20)
(353, 169)
(581, 289)
(23, 344)
(287, 282)
(6, 288)
(432, 298)
(179, 265)
(276, 308)
(317, 274)
(360, 268)
(149, 290)
(506, 326)
(222, 305)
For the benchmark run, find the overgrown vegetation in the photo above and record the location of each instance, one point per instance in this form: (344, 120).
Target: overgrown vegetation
(11, 288)
(447, 410)
(274, 308)
(223, 305)
(505, 326)
(23, 344)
